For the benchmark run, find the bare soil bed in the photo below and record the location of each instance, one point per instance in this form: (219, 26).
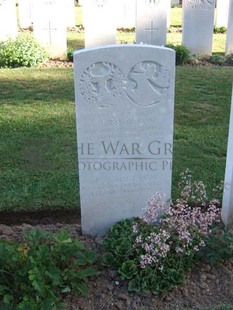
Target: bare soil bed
(206, 285)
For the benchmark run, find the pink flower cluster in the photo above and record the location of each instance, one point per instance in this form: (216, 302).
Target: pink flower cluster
(184, 216)
(155, 247)
(182, 230)
(192, 191)
(154, 209)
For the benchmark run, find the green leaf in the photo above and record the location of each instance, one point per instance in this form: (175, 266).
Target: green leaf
(108, 259)
(90, 256)
(128, 270)
(89, 272)
(134, 285)
(7, 299)
(82, 288)
(63, 237)
(51, 266)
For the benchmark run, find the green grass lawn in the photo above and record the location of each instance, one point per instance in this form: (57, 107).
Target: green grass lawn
(38, 162)
(76, 40)
(38, 139)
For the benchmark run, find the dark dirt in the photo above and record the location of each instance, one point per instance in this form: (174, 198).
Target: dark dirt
(206, 285)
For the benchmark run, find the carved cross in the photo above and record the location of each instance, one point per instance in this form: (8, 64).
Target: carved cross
(50, 29)
(152, 29)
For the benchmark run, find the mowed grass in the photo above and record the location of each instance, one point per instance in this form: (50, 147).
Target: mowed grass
(38, 162)
(202, 107)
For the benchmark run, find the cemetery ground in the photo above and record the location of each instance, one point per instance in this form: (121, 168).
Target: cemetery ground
(38, 169)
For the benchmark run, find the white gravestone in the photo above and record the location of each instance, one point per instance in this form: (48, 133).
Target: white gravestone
(50, 27)
(8, 20)
(151, 21)
(198, 25)
(229, 39)
(222, 13)
(70, 13)
(25, 13)
(227, 205)
(125, 107)
(169, 13)
(100, 22)
(127, 13)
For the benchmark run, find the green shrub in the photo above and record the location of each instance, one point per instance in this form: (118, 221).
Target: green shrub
(183, 54)
(24, 51)
(70, 55)
(217, 59)
(34, 275)
(219, 246)
(220, 29)
(229, 59)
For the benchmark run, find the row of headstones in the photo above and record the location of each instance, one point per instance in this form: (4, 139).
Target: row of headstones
(125, 114)
(151, 22)
(100, 20)
(50, 19)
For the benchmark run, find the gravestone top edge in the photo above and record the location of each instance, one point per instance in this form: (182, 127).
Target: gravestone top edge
(122, 46)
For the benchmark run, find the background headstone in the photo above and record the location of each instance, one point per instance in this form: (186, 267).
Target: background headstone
(50, 26)
(125, 107)
(8, 20)
(151, 21)
(229, 40)
(198, 25)
(169, 13)
(227, 205)
(127, 13)
(25, 13)
(100, 22)
(222, 13)
(70, 13)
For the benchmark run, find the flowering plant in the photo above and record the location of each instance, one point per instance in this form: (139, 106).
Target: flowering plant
(153, 252)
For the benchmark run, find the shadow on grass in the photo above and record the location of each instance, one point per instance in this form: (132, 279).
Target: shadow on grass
(36, 85)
